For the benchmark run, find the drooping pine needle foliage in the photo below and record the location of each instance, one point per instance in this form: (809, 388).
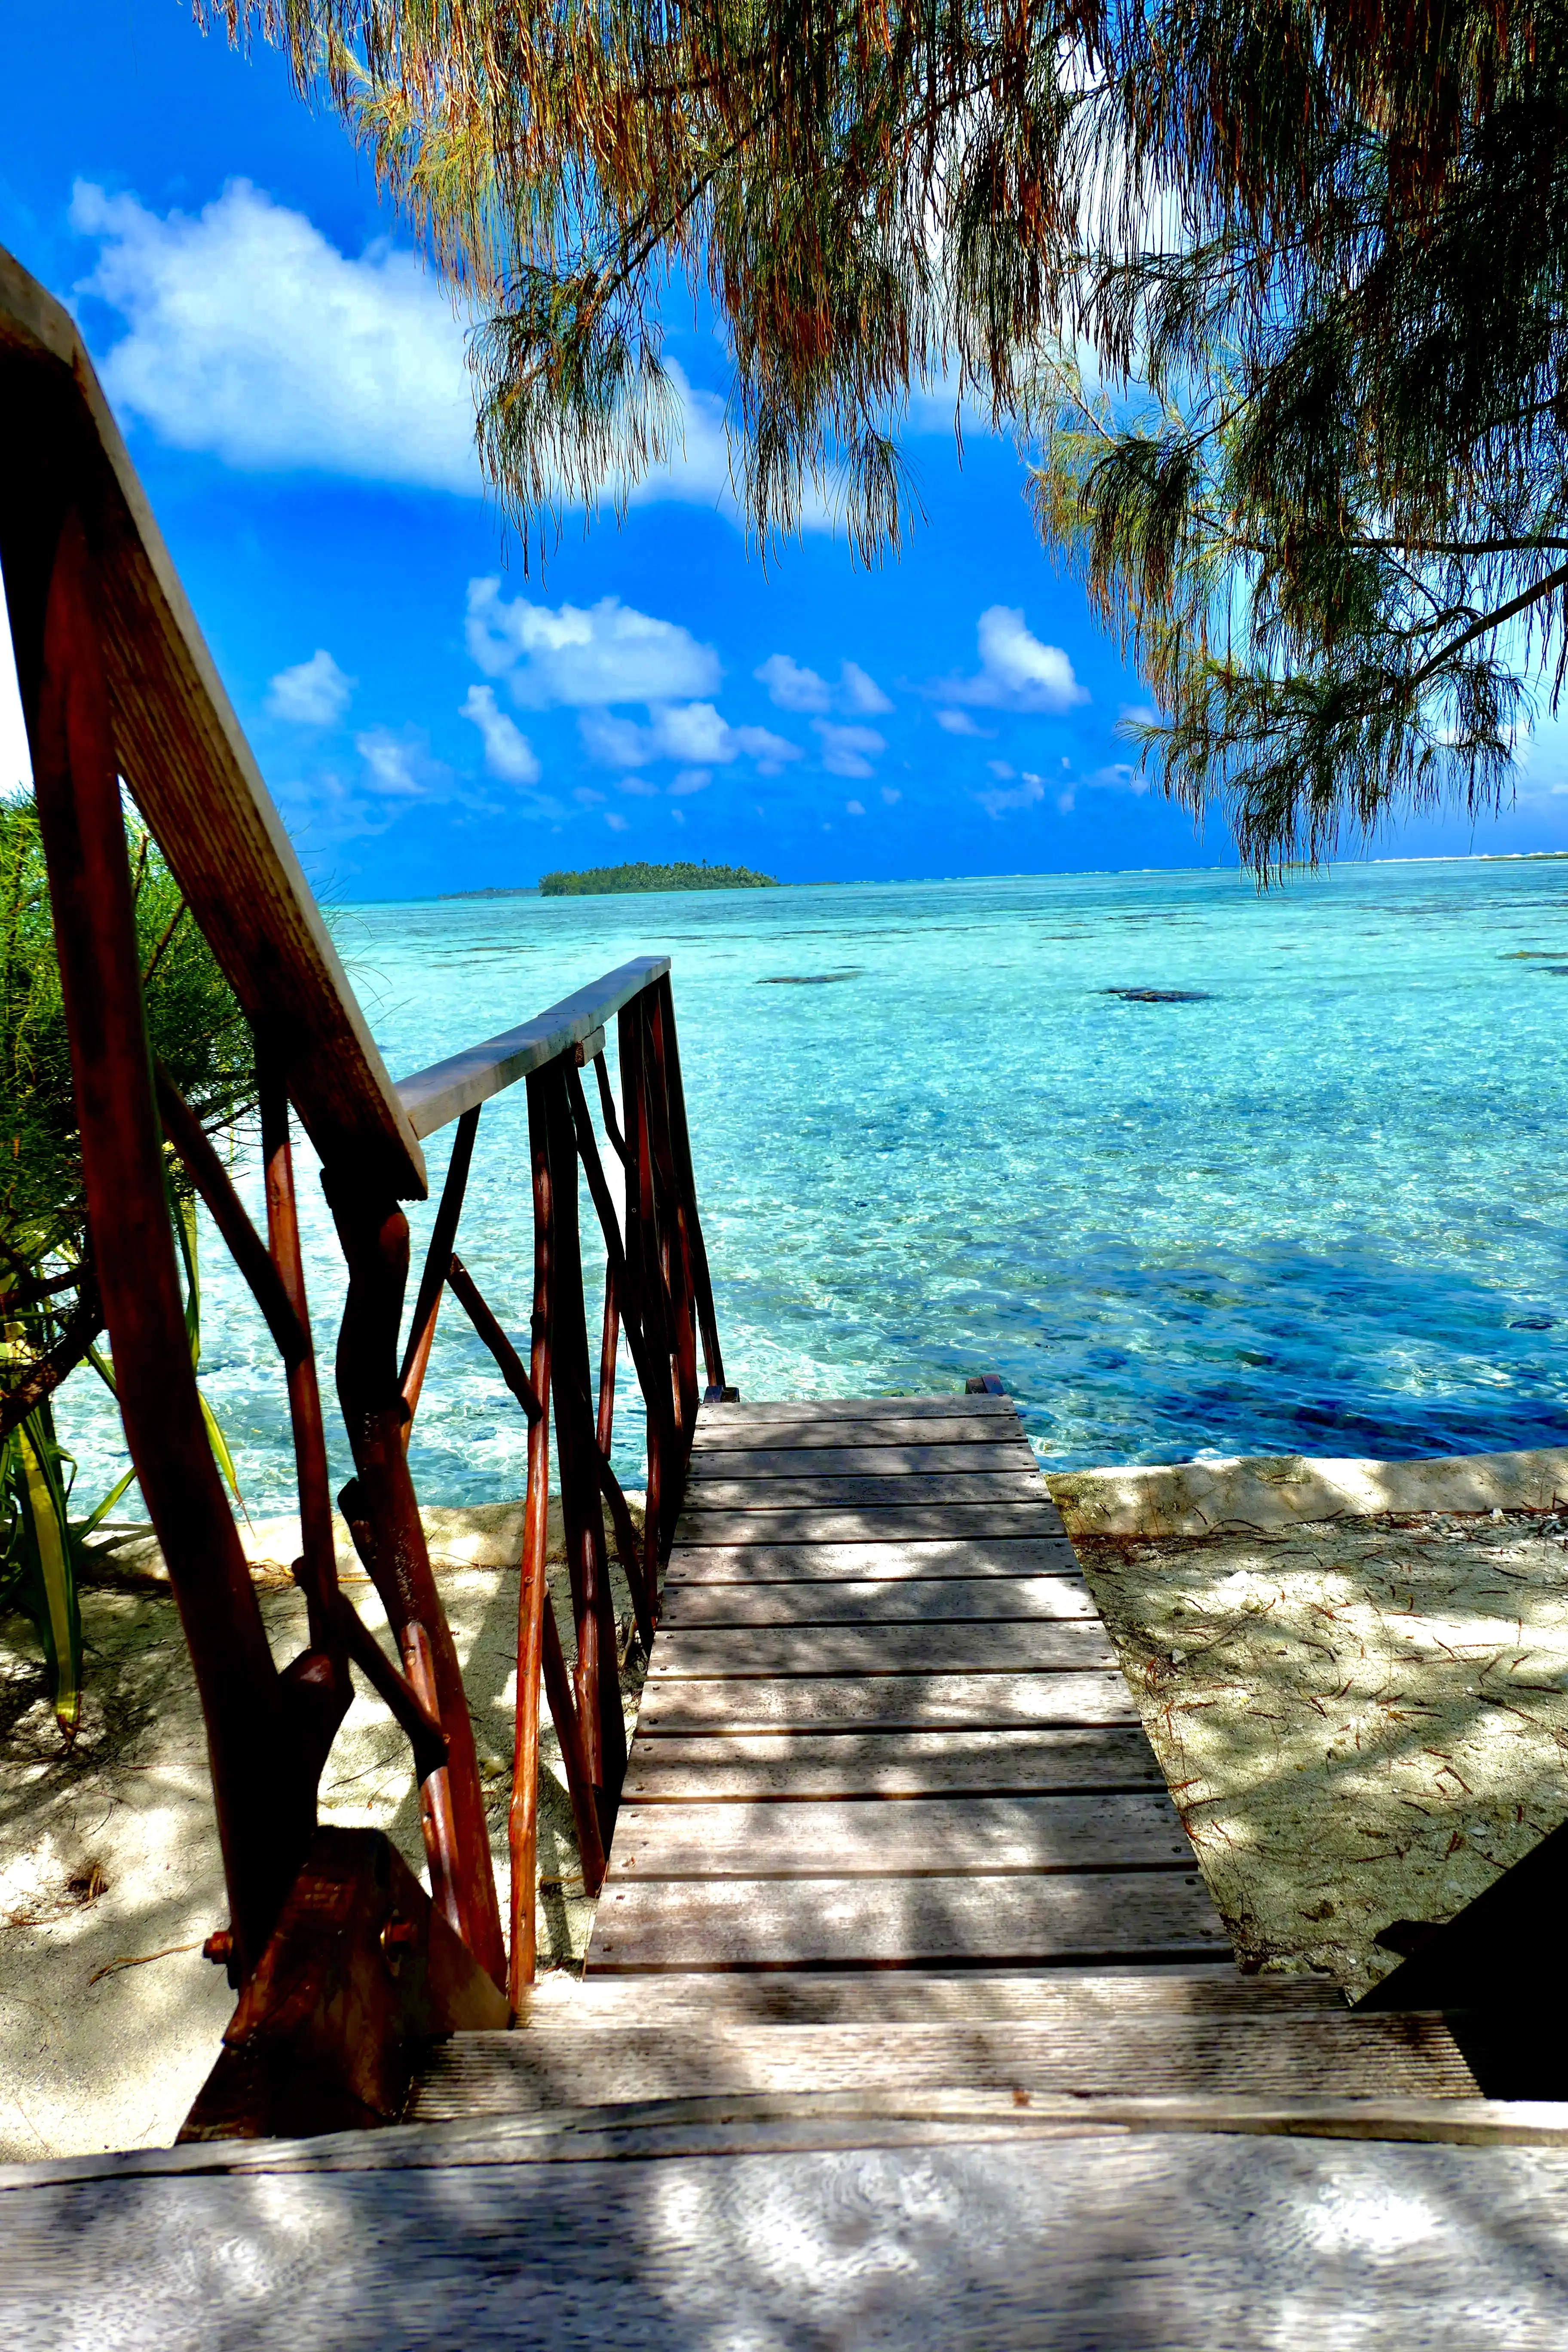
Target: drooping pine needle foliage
(50, 1318)
(1277, 284)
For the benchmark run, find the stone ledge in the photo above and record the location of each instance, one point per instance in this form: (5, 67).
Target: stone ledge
(1264, 1491)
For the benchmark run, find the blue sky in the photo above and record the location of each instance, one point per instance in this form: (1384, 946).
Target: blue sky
(429, 716)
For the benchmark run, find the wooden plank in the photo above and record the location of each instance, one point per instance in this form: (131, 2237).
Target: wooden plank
(989, 1647)
(903, 1922)
(763, 1766)
(541, 2068)
(1133, 2225)
(430, 1097)
(865, 1602)
(747, 1414)
(926, 1836)
(892, 1429)
(910, 1491)
(1038, 2007)
(912, 1522)
(894, 1461)
(902, 1702)
(181, 748)
(879, 1559)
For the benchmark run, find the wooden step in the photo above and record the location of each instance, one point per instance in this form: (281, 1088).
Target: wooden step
(768, 1766)
(1180, 2042)
(973, 1552)
(867, 1601)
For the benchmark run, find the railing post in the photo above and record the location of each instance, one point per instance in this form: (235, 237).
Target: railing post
(374, 1237)
(596, 1677)
(266, 1735)
(680, 1146)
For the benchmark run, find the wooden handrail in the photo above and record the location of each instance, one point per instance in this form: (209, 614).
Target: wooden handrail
(118, 686)
(176, 740)
(431, 1099)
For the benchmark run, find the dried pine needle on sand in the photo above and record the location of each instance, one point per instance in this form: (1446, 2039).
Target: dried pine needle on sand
(1362, 1721)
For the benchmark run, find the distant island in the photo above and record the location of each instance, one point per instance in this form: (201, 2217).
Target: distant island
(599, 879)
(515, 890)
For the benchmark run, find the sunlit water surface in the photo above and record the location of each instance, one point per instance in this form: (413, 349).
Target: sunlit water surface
(1319, 1209)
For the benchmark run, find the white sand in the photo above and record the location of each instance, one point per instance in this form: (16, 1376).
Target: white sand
(109, 1853)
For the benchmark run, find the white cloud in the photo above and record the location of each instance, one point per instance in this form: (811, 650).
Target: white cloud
(314, 693)
(588, 797)
(639, 786)
(793, 688)
(394, 763)
(770, 751)
(849, 751)
(689, 780)
(1001, 770)
(892, 795)
(508, 751)
(607, 654)
(695, 733)
(615, 820)
(861, 693)
(251, 336)
(998, 799)
(959, 722)
(691, 731)
(1017, 671)
(854, 808)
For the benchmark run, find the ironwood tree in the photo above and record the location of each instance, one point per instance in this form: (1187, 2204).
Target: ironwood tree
(1272, 290)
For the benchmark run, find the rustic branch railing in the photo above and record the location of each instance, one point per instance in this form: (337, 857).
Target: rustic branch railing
(117, 685)
(657, 1289)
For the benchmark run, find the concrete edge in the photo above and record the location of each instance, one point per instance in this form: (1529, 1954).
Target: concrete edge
(1271, 1491)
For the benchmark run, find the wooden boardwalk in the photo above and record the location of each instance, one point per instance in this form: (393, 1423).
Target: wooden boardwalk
(890, 1797)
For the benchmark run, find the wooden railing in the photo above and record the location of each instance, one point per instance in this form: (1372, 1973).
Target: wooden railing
(657, 1291)
(117, 684)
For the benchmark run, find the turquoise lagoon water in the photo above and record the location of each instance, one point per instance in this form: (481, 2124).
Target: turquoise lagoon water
(1321, 1209)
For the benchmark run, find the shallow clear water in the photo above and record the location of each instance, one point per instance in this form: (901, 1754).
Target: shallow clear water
(1319, 1210)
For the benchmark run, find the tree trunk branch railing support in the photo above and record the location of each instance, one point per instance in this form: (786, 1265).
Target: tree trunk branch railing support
(341, 1959)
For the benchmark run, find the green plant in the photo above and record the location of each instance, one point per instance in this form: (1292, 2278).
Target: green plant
(50, 1315)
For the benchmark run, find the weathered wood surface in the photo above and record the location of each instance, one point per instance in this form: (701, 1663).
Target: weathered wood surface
(1186, 2241)
(908, 1490)
(433, 1096)
(766, 1767)
(1245, 2055)
(895, 1428)
(860, 1600)
(1019, 1922)
(948, 1645)
(919, 1837)
(880, 1461)
(1036, 2005)
(888, 1559)
(893, 1702)
(719, 1422)
(890, 1523)
(180, 746)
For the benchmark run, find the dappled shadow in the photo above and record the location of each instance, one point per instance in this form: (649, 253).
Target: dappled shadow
(1180, 2241)
(1361, 1723)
